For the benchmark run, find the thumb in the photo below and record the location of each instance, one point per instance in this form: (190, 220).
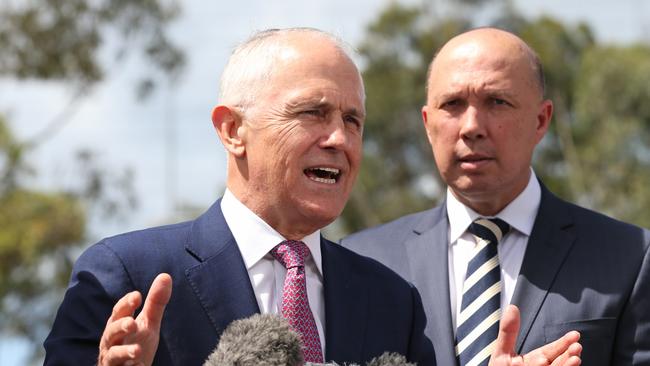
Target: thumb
(158, 297)
(508, 331)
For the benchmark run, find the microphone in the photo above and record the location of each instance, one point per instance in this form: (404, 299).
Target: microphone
(268, 340)
(390, 359)
(386, 359)
(262, 339)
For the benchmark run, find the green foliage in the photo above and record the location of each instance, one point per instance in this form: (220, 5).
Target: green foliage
(33, 224)
(42, 232)
(35, 228)
(61, 39)
(597, 151)
(612, 130)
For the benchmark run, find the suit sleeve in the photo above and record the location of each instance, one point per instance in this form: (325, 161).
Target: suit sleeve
(420, 348)
(632, 344)
(98, 280)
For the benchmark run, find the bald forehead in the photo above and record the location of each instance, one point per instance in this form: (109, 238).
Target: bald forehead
(494, 43)
(487, 35)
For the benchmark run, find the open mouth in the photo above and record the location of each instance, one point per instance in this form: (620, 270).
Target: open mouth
(323, 175)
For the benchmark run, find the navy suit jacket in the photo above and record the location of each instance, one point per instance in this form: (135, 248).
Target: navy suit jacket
(581, 271)
(368, 308)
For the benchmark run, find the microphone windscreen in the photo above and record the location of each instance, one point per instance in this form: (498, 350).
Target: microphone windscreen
(260, 340)
(389, 359)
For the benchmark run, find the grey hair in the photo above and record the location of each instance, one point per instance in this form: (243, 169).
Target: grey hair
(251, 64)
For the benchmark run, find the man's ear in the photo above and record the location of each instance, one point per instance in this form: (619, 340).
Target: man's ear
(425, 122)
(228, 124)
(544, 116)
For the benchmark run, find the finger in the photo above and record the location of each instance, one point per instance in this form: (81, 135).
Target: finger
(125, 306)
(573, 361)
(556, 348)
(158, 297)
(121, 355)
(508, 331)
(565, 360)
(569, 357)
(575, 349)
(116, 331)
(517, 361)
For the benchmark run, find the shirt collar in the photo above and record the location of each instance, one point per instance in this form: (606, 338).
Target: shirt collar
(254, 237)
(520, 213)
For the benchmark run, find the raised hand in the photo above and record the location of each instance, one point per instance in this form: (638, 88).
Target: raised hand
(564, 351)
(133, 341)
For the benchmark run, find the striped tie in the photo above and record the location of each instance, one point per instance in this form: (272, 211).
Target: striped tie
(478, 323)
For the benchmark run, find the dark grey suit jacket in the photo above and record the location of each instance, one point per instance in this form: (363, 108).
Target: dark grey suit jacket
(581, 271)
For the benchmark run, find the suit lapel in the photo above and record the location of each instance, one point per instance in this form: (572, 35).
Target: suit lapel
(220, 281)
(346, 301)
(427, 253)
(548, 245)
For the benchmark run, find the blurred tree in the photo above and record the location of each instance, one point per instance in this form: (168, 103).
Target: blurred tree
(42, 232)
(601, 123)
(61, 39)
(612, 130)
(69, 40)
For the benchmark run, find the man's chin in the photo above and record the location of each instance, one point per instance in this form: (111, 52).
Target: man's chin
(470, 189)
(321, 214)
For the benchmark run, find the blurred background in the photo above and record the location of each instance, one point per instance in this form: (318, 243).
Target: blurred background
(105, 118)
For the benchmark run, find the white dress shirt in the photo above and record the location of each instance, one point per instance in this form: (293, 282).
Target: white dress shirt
(255, 239)
(520, 214)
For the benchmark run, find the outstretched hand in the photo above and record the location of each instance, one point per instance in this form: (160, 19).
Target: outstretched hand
(564, 351)
(134, 341)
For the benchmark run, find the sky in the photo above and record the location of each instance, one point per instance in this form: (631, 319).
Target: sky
(126, 133)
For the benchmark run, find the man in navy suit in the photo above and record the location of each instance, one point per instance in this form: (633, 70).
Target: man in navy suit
(564, 266)
(291, 117)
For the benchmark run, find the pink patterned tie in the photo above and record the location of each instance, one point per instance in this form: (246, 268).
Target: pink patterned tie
(295, 306)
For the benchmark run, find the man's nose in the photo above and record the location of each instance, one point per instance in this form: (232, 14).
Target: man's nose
(335, 134)
(472, 124)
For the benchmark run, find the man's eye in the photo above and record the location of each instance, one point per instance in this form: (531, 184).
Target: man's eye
(312, 112)
(499, 101)
(450, 103)
(351, 119)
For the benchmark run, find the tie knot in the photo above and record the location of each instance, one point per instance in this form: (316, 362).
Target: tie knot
(490, 230)
(291, 253)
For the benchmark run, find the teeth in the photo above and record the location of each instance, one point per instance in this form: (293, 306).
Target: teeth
(323, 174)
(331, 170)
(323, 180)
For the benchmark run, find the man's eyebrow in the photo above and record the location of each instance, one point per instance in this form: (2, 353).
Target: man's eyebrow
(447, 95)
(356, 112)
(311, 103)
(323, 104)
(498, 93)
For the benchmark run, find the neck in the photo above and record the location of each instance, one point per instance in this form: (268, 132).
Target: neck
(291, 228)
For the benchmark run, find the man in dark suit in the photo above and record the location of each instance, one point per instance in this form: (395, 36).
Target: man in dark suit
(291, 119)
(564, 266)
